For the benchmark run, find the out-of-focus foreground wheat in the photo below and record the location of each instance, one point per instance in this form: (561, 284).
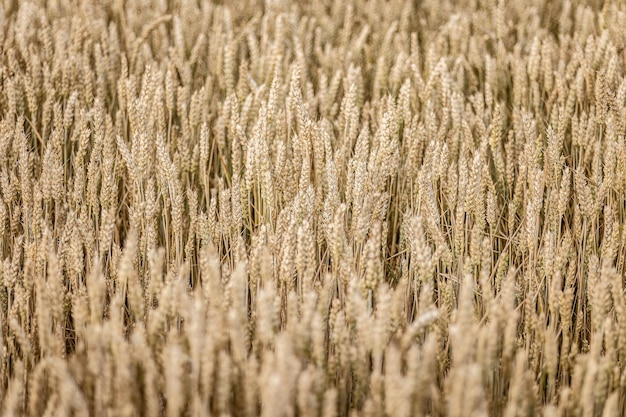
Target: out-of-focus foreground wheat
(359, 208)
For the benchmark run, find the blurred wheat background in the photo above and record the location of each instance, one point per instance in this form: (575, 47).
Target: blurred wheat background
(330, 208)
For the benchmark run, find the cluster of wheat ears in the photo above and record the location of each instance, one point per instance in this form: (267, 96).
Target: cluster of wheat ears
(328, 208)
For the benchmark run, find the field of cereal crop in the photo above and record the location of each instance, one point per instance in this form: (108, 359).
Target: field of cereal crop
(280, 208)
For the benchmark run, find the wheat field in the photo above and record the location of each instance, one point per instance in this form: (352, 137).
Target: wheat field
(298, 209)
